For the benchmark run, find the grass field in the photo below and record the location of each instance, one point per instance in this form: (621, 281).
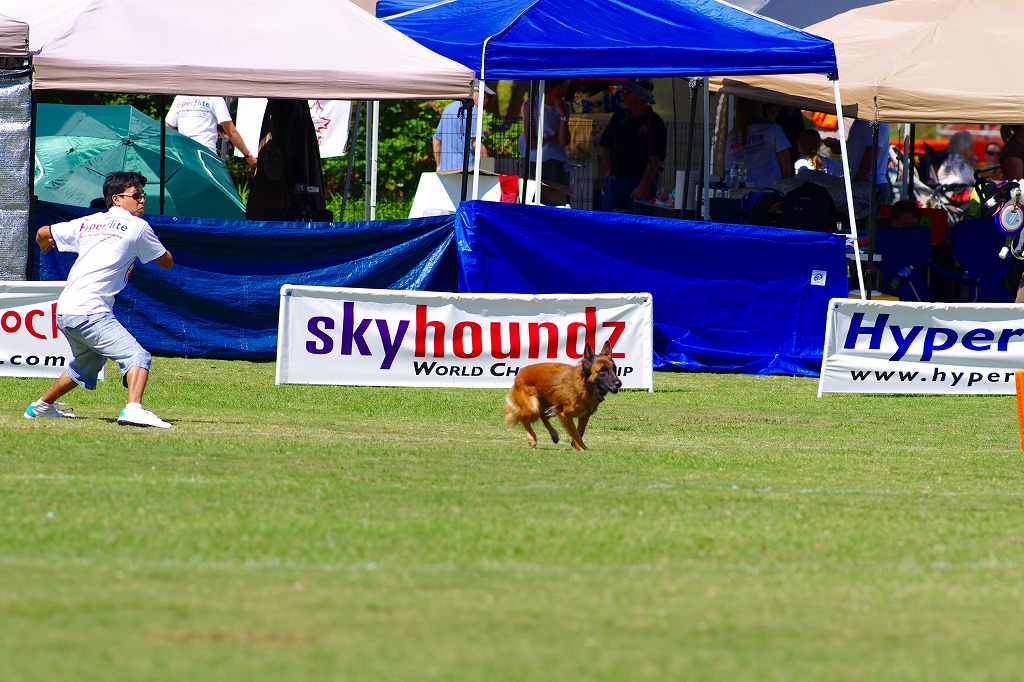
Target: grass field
(724, 527)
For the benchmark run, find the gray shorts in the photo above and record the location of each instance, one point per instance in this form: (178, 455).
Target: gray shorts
(96, 338)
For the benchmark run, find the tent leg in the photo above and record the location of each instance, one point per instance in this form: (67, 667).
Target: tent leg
(528, 132)
(467, 111)
(351, 158)
(848, 185)
(163, 152)
(694, 84)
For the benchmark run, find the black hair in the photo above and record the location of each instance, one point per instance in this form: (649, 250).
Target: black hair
(118, 181)
(906, 206)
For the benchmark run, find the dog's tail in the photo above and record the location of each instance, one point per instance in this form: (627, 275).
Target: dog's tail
(521, 404)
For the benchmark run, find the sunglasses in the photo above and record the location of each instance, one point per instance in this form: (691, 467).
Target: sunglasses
(992, 152)
(138, 195)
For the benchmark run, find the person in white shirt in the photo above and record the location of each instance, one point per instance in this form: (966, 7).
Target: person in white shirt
(808, 144)
(759, 144)
(107, 245)
(201, 118)
(859, 144)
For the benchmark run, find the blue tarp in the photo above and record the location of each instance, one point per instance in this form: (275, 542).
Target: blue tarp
(729, 298)
(538, 39)
(221, 298)
(732, 298)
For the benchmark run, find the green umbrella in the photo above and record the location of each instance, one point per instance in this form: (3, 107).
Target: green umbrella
(76, 146)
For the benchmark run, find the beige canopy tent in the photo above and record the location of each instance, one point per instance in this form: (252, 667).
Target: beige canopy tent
(308, 49)
(13, 37)
(912, 61)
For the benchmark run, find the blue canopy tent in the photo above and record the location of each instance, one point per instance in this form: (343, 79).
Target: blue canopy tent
(541, 39)
(537, 39)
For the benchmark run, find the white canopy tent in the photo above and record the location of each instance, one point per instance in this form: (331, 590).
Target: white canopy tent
(308, 49)
(911, 61)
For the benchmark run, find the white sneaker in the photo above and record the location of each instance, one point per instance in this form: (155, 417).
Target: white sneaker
(135, 414)
(39, 410)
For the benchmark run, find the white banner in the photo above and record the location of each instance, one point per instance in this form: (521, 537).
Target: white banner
(900, 347)
(330, 120)
(372, 337)
(30, 343)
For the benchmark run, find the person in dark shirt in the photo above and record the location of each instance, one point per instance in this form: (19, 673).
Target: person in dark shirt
(632, 148)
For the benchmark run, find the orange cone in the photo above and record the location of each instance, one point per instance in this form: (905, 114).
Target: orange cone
(1019, 376)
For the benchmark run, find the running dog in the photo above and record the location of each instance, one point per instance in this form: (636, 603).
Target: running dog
(554, 389)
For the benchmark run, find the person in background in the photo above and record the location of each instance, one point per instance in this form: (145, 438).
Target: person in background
(792, 122)
(203, 119)
(958, 167)
(1011, 156)
(107, 245)
(632, 148)
(992, 150)
(555, 164)
(759, 144)
(808, 144)
(991, 161)
(859, 146)
(905, 213)
(449, 140)
(1011, 160)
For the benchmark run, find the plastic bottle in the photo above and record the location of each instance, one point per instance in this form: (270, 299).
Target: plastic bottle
(734, 176)
(743, 174)
(902, 276)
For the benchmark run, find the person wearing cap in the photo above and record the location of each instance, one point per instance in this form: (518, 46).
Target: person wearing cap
(632, 148)
(450, 137)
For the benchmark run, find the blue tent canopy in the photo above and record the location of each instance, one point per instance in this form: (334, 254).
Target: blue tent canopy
(541, 39)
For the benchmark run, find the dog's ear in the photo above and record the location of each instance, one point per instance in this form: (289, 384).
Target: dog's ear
(588, 359)
(606, 349)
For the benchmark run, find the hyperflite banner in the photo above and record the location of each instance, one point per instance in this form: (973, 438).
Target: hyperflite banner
(372, 337)
(902, 347)
(30, 343)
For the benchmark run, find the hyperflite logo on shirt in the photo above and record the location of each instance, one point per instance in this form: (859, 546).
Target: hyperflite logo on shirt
(102, 226)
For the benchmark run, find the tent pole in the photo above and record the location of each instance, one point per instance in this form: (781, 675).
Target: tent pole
(372, 146)
(849, 186)
(872, 203)
(694, 83)
(478, 136)
(528, 131)
(910, 146)
(163, 151)
(540, 137)
(351, 158)
(705, 166)
(467, 109)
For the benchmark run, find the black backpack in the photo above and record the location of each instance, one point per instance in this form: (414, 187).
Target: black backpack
(808, 207)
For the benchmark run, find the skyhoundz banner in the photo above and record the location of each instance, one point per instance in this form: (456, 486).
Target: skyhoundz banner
(370, 337)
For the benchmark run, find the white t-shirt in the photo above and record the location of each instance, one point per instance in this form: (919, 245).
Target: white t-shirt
(858, 143)
(198, 117)
(107, 245)
(760, 155)
(832, 167)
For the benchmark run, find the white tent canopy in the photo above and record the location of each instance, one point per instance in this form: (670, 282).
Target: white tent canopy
(912, 61)
(307, 49)
(13, 37)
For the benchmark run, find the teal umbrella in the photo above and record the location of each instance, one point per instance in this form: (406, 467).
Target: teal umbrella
(76, 146)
